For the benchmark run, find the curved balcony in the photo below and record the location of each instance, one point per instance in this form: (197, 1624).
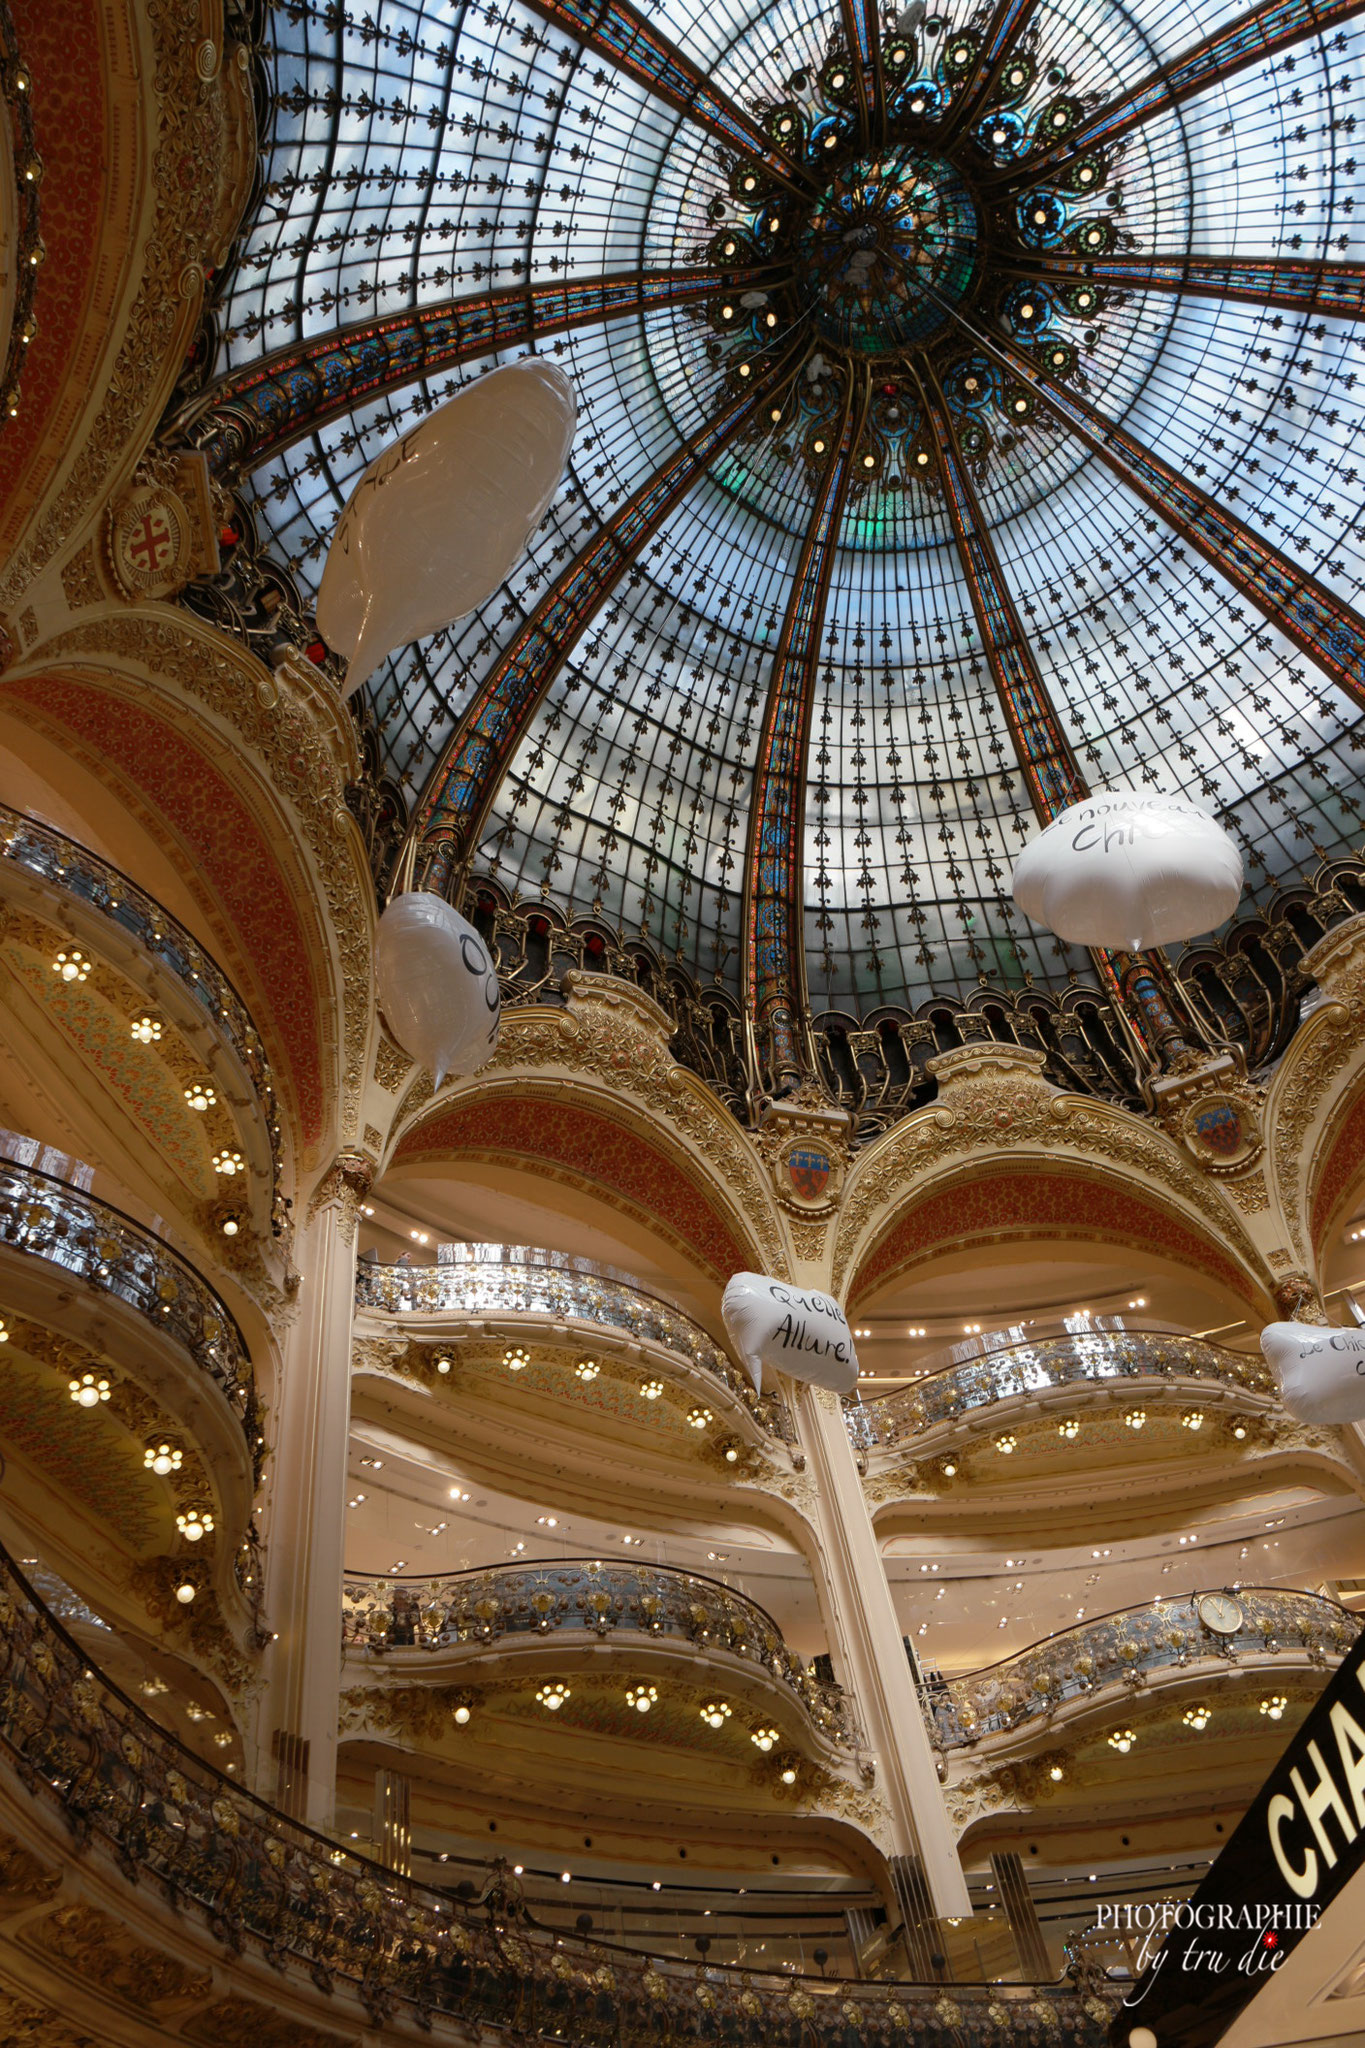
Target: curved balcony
(73, 1233)
(1022, 1372)
(1126, 1647)
(580, 1596)
(99, 902)
(326, 1916)
(493, 1280)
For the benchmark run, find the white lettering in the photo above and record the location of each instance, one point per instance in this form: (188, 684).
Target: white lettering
(1305, 1881)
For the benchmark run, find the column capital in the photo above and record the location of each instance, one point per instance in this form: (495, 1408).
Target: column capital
(344, 1186)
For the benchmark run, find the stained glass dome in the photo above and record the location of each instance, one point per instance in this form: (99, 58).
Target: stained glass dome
(967, 413)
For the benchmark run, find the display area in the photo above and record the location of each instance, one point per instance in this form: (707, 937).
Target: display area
(682, 1023)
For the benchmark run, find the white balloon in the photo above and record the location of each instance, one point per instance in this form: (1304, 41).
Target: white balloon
(1129, 872)
(442, 516)
(789, 1329)
(438, 988)
(1321, 1371)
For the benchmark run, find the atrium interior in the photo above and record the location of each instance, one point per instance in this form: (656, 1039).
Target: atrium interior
(418, 1620)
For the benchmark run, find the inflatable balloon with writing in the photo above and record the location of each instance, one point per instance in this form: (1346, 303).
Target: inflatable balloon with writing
(1321, 1371)
(441, 517)
(789, 1329)
(438, 988)
(1129, 872)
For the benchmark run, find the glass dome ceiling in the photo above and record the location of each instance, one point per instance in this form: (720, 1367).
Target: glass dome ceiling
(848, 581)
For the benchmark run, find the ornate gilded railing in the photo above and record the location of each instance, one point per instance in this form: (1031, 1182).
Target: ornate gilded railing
(586, 1595)
(414, 1954)
(66, 865)
(99, 1245)
(1124, 1646)
(524, 1286)
(1024, 1369)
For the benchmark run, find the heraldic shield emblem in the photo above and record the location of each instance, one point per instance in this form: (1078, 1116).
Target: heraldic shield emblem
(1218, 1127)
(1222, 1132)
(809, 1172)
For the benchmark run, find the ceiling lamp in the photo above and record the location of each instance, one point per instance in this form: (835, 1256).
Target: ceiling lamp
(1005, 1445)
(194, 1526)
(443, 1364)
(787, 1770)
(228, 1162)
(1070, 1429)
(185, 1592)
(1197, 1717)
(72, 966)
(715, 1713)
(1274, 1707)
(462, 1713)
(4, 1331)
(765, 1739)
(651, 1389)
(553, 1695)
(732, 1453)
(146, 1030)
(1193, 1418)
(516, 1360)
(641, 1697)
(161, 1459)
(1056, 1772)
(1135, 1418)
(88, 1391)
(949, 1468)
(697, 1418)
(587, 1369)
(1122, 1740)
(200, 1096)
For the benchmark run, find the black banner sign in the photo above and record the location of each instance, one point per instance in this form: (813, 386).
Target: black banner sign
(1301, 1841)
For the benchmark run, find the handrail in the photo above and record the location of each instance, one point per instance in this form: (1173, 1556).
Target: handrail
(65, 864)
(49, 1219)
(409, 1951)
(1118, 1646)
(547, 1596)
(523, 1288)
(1026, 1369)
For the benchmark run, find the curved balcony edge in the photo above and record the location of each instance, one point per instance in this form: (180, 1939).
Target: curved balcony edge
(556, 1294)
(111, 902)
(322, 1919)
(1126, 1645)
(595, 1599)
(99, 1246)
(1028, 1372)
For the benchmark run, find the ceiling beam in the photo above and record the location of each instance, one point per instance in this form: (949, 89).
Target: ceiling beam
(1293, 283)
(774, 950)
(450, 818)
(624, 37)
(1273, 26)
(1140, 984)
(254, 412)
(1008, 22)
(862, 28)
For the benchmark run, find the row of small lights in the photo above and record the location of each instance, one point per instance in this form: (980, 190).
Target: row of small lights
(89, 1391)
(587, 1369)
(975, 1329)
(642, 1699)
(1196, 1717)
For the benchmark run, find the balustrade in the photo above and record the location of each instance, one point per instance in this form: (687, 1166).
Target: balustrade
(412, 1953)
(49, 1219)
(525, 1283)
(1085, 1357)
(575, 1595)
(1125, 1646)
(132, 914)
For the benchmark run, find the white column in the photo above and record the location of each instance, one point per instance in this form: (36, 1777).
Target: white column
(870, 1650)
(305, 1535)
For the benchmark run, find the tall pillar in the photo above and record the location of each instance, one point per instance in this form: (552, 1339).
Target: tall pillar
(393, 1820)
(305, 1536)
(875, 1667)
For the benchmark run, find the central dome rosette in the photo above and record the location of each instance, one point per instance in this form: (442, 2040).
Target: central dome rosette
(892, 241)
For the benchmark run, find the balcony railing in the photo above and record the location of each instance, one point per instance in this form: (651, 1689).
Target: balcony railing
(409, 1952)
(1124, 1646)
(74, 1231)
(66, 865)
(1088, 1357)
(521, 1284)
(586, 1596)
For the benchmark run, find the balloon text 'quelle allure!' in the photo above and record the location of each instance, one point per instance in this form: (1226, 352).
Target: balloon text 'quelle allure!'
(1321, 1371)
(1129, 872)
(442, 517)
(791, 1330)
(438, 988)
